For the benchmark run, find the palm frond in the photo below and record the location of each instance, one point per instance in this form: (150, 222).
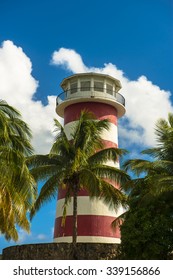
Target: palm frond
(87, 133)
(43, 172)
(112, 196)
(18, 187)
(138, 166)
(112, 173)
(48, 191)
(119, 220)
(61, 143)
(39, 160)
(66, 203)
(170, 119)
(89, 181)
(8, 110)
(106, 154)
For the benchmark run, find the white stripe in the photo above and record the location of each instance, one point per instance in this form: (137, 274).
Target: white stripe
(109, 135)
(112, 163)
(86, 206)
(88, 239)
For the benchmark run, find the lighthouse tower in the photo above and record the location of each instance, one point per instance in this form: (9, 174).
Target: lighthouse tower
(98, 93)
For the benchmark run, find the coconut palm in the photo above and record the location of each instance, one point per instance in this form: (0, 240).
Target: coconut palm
(78, 164)
(17, 186)
(151, 198)
(160, 168)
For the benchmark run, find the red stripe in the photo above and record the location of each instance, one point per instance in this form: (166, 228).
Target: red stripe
(100, 110)
(88, 225)
(109, 144)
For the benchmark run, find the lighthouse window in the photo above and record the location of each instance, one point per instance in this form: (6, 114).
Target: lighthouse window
(85, 85)
(73, 87)
(98, 86)
(109, 88)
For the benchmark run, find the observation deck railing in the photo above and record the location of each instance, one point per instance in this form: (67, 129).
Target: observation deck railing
(90, 92)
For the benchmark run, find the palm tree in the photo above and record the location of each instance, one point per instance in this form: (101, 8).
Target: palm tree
(160, 168)
(151, 193)
(17, 186)
(79, 164)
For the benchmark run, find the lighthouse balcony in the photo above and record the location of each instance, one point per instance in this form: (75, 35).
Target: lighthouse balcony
(90, 94)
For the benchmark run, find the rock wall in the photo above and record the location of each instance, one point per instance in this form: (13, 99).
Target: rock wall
(60, 251)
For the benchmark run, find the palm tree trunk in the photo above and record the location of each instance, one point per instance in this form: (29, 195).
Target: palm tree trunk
(74, 241)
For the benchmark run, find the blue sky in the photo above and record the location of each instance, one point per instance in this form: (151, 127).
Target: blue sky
(42, 42)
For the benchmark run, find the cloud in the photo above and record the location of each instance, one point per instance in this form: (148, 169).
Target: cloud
(145, 102)
(23, 236)
(69, 59)
(41, 236)
(18, 87)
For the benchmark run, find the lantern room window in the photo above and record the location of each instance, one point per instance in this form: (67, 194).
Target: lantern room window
(109, 88)
(85, 85)
(98, 86)
(73, 87)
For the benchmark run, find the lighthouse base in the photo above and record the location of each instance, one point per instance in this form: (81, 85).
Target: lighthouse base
(61, 251)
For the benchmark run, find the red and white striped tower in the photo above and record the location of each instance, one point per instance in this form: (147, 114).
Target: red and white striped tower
(97, 93)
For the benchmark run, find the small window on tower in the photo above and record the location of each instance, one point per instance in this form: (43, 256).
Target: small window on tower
(73, 87)
(109, 88)
(98, 86)
(85, 86)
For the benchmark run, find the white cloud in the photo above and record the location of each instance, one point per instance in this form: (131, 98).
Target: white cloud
(18, 87)
(23, 236)
(70, 59)
(145, 102)
(41, 236)
(15, 71)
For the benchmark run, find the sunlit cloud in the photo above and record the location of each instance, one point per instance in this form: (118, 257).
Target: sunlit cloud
(18, 88)
(145, 101)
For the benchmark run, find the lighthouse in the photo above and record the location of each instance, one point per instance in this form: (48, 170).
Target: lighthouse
(97, 93)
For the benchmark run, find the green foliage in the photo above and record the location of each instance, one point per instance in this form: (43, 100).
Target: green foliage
(17, 186)
(147, 232)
